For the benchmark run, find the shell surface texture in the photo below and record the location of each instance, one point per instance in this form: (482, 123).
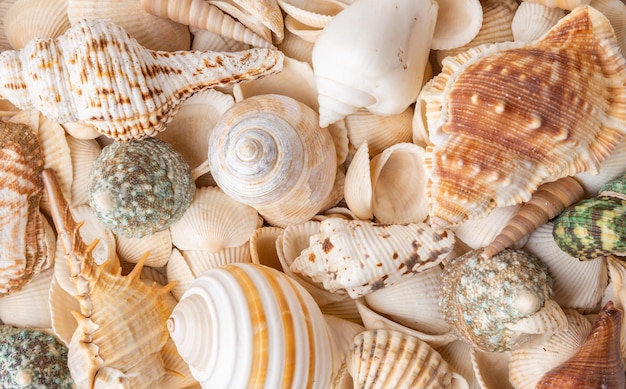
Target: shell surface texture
(96, 73)
(598, 363)
(23, 250)
(594, 227)
(140, 187)
(114, 342)
(560, 99)
(480, 297)
(361, 257)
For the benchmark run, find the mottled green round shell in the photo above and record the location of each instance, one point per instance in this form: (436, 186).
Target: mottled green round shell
(479, 296)
(592, 228)
(137, 188)
(615, 188)
(32, 359)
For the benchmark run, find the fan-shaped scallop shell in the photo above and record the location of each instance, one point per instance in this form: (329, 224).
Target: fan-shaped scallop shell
(125, 90)
(23, 251)
(532, 20)
(28, 19)
(474, 166)
(481, 298)
(458, 22)
(113, 342)
(140, 187)
(391, 359)
(361, 257)
(269, 152)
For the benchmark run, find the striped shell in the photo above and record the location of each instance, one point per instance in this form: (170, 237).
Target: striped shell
(23, 251)
(113, 83)
(139, 187)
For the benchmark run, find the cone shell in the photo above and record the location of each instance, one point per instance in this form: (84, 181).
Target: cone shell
(275, 327)
(391, 359)
(145, 97)
(598, 363)
(480, 298)
(28, 19)
(361, 257)
(268, 151)
(469, 168)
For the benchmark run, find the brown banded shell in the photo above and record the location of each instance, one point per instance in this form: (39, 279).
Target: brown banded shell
(23, 251)
(551, 95)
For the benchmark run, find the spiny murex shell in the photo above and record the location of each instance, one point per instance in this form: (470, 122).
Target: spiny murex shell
(140, 187)
(481, 297)
(98, 74)
(361, 257)
(122, 321)
(507, 117)
(23, 251)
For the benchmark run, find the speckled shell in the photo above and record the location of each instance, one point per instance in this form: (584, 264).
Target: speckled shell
(124, 90)
(598, 363)
(114, 342)
(139, 187)
(552, 96)
(361, 257)
(31, 358)
(481, 298)
(23, 250)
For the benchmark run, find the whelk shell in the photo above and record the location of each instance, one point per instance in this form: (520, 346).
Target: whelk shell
(474, 166)
(116, 91)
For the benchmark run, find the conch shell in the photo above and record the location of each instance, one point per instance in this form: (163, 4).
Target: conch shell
(561, 99)
(113, 83)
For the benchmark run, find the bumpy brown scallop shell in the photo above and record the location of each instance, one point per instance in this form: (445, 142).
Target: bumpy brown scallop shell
(506, 118)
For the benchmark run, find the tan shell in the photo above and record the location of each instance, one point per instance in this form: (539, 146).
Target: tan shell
(380, 132)
(4, 7)
(477, 233)
(615, 11)
(314, 13)
(458, 22)
(263, 246)
(83, 153)
(297, 48)
(157, 247)
(205, 40)
(140, 112)
(564, 4)
(469, 169)
(28, 19)
(532, 20)
(28, 307)
(257, 15)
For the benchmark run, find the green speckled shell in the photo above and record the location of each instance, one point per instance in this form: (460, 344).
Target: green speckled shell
(32, 359)
(592, 228)
(137, 188)
(615, 188)
(479, 296)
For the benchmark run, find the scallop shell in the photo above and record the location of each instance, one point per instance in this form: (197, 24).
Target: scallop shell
(491, 368)
(63, 95)
(480, 298)
(392, 359)
(32, 358)
(139, 187)
(316, 13)
(4, 7)
(458, 22)
(611, 168)
(547, 202)
(268, 152)
(179, 273)
(477, 233)
(564, 4)
(111, 343)
(302, 30)
(200, 261)
(380, 132)
(28, 307)
(84, 153)
(470, 168)
(157, 247)
(24, 251)
(208, 224)
(203, 14)
(361, 257)
(390, 80)
(598, 363)
(28, 19)
(279, 334)
(532, 20)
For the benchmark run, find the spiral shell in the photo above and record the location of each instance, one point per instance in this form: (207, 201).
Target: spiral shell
(137, 188)
(268, 151)
(250, 325)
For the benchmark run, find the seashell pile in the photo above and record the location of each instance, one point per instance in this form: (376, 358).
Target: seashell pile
(327, 194)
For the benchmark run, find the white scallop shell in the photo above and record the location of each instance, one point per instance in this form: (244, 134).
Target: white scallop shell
(83, 152)
(263, 246)
(28, 19)
(458, 22)
(458, 354)
(179, 272)
(358, 186)
(314, 13)
(208, 223)
(28, 307)
(199, 261)
(158, 247)
(532, 20)
(380, 132)
(478, 233)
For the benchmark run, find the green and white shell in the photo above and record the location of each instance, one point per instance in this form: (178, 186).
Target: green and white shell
(482, 298)
(140, 187)
(31, 358)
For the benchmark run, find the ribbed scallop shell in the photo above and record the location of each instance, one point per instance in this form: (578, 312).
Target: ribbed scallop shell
(83, 152)
(391, 359)
(480, 298)
(247, 324)
(200, 261)
(123, 102)
(361, 257)
(23, 251)
(157, 247)
(314, 13)
(268, 151)
(532, 20)
(380, 132)
(458, 22)
(28, 19)
(139, 187)
(28, 307)
(209, 222)
(477, 233)
(474, 166)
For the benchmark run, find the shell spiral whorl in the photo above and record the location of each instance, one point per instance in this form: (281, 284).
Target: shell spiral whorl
(137, 188)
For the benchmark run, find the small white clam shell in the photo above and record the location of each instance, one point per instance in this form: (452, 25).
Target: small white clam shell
(532, 20)
(81, 130)
(478, 233)
(28, 307)
(380, 132)
(28, 19)
(83, 152)
(178, 271)
(458, 22)
(208, 223)
(157, 246)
